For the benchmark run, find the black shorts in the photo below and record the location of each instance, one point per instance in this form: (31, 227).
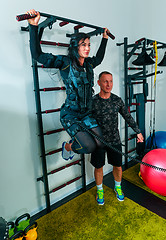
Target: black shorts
(114, 158)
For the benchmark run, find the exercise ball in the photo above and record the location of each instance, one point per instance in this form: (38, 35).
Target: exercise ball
(159, 139)
(153, 178)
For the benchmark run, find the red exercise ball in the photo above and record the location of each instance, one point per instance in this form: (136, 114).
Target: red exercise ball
(153, 178)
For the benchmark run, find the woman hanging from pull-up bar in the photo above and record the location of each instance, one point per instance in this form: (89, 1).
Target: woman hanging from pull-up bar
(76, 70)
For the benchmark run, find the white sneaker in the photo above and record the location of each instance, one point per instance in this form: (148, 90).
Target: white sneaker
(72, 155)
(67, 155)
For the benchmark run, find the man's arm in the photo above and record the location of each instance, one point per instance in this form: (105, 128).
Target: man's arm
(130, 120)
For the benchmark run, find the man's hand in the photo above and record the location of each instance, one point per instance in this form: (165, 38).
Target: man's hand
(140, 138)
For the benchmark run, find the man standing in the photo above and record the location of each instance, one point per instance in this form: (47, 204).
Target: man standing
(105, 109)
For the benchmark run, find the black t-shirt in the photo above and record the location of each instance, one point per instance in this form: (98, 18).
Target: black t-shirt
(105, 111)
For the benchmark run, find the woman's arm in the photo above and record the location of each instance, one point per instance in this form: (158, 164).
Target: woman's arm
(101, 51)
(47, 59)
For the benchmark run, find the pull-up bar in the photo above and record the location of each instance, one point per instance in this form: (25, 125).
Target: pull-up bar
(65, 184)
(66, 21)
(60, 168)
(51, 110)
(52, 89)
(54, 43)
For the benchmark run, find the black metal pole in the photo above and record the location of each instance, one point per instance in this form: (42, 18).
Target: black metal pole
(145, 85)
(83, 172)
(126, 97)
(41, 135)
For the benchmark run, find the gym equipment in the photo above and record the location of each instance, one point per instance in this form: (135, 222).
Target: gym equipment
(4, 228)
(22, 222)
(151, 141)
(17, 236)
(31, 232)
(143, 59)
(153, 102)
(53, 19)
(132, 79)
(156, 56)
(163, 61)
(139, 175)
(154, 179)
(157, 140)
(140, 116)
(11, 228)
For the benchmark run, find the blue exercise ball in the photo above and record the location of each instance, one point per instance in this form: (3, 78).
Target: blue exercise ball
(157, 140)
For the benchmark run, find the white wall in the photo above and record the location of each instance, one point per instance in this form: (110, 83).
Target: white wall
(20, 153)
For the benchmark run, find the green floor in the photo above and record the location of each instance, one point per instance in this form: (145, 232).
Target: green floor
(82, 218)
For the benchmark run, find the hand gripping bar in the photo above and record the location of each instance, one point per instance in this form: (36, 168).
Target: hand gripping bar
(28, 16)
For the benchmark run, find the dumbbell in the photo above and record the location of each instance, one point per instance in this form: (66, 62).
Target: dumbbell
(11, 228)
(31, 231)
(17, 236)
(22, 222)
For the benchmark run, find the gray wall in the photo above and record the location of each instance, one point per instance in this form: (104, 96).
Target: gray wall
(19, 148)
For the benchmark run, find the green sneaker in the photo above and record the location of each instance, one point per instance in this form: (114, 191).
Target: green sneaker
(100, 197)
(119, 193)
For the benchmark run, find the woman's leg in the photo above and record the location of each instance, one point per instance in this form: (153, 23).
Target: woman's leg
(83, 143)
(98, 132)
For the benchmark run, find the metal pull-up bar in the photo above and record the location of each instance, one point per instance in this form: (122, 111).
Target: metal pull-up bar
(66, 21)
(54, 43)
